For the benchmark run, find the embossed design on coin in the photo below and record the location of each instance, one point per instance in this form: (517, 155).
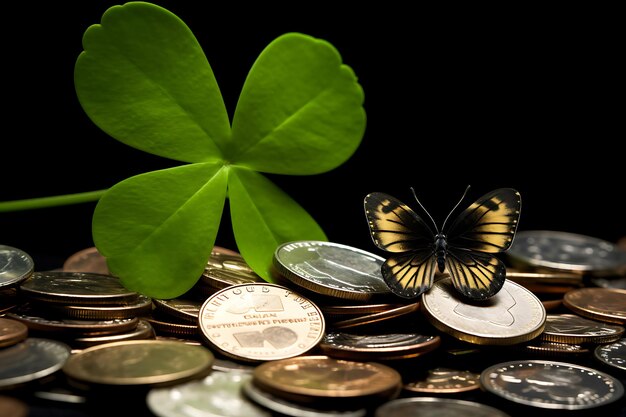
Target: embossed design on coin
(31, 359)
(15, 265)
(445, 381)
(513, 315)
(139, 362)
(566, 251)
(429, 406)
(219, 394)
(568, 328)
(553, 385)
(260, 322)
(613, 354)
(604, 304)
(331, 269)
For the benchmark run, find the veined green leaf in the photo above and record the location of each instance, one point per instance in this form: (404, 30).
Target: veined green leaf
(144, 80)
(263, 217)
(157, 229)
(300, 110)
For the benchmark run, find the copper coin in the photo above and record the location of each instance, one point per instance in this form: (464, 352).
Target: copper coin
(551, 305)
(34, 321)
(445, 381)
(604, 304)
(87, 260)
(139, 362)
(376, 317)
(569, 328)
(76, 288)
(380, 346)
(260, 322)
(12, 407)
(323, 377)
(11, 332)
(15, 266)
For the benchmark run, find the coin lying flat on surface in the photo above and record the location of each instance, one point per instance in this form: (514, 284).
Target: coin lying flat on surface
(331, 269)
(377, 347)
(184, 309)
(513, 315)
(218, 394)
(552, 385)
(143, 331)
(87, 260)
(11, 332)
(566, 252)
(444, 381)
(140, 306)
(15, 265)
(429, 406)
(260, 322)
(76, 288)
(323, 377)
(139, 362)
(604, 304)
(569, 328)
(613, 354)
(392, 313)
(553, 349)
(31, 359)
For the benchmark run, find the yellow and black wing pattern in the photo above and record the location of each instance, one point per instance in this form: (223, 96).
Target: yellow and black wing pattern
(486, 227)
(396, 228)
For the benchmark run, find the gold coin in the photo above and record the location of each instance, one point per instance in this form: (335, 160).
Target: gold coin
(223, 278)
(260, 322)
(552, 349)
(11, 332)
(513, 315)
(355, 310)
(604, 304)
(139, 362)
(569, 328)
(445, 381)
(307, 377)
(376, 317)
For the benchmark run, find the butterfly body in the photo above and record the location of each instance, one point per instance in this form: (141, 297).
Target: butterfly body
(464, 248)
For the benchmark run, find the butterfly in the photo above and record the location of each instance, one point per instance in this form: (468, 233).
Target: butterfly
(464, 249)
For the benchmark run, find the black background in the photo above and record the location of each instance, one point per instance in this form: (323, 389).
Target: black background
(529, 99)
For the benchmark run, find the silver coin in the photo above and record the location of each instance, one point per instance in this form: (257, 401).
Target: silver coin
(30, 360)
(552, 385)
(613, 354)
(331, 269)
(613, 282)
(76, 288)
(224, 365)
(569, 328)
(383, 346)
(284, 407)
(566, 251)
(15, 265)
(219, 394)
(436, 407)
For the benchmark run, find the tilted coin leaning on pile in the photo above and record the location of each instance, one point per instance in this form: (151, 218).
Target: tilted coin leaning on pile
(328, 338)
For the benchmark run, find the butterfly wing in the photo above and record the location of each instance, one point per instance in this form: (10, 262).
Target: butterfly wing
(476, 275)
(487, 226)
(410, 274)
(395, 227)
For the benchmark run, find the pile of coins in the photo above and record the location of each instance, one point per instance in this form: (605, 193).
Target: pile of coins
(327, 338)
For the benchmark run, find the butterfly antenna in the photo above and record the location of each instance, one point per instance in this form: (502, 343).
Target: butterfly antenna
(425, 211)
(457, 204)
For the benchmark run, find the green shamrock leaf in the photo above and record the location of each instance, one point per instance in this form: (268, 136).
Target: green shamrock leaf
(144, 80)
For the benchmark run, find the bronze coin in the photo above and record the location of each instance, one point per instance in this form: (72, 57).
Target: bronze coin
(604, 304)
(323, 377)
(12, 407)
(377, 347)
(87, 260)
(11, 332)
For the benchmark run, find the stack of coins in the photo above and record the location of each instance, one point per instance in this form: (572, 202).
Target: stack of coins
(328, 339)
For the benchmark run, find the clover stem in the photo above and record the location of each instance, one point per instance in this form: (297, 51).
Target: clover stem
(57, 200)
